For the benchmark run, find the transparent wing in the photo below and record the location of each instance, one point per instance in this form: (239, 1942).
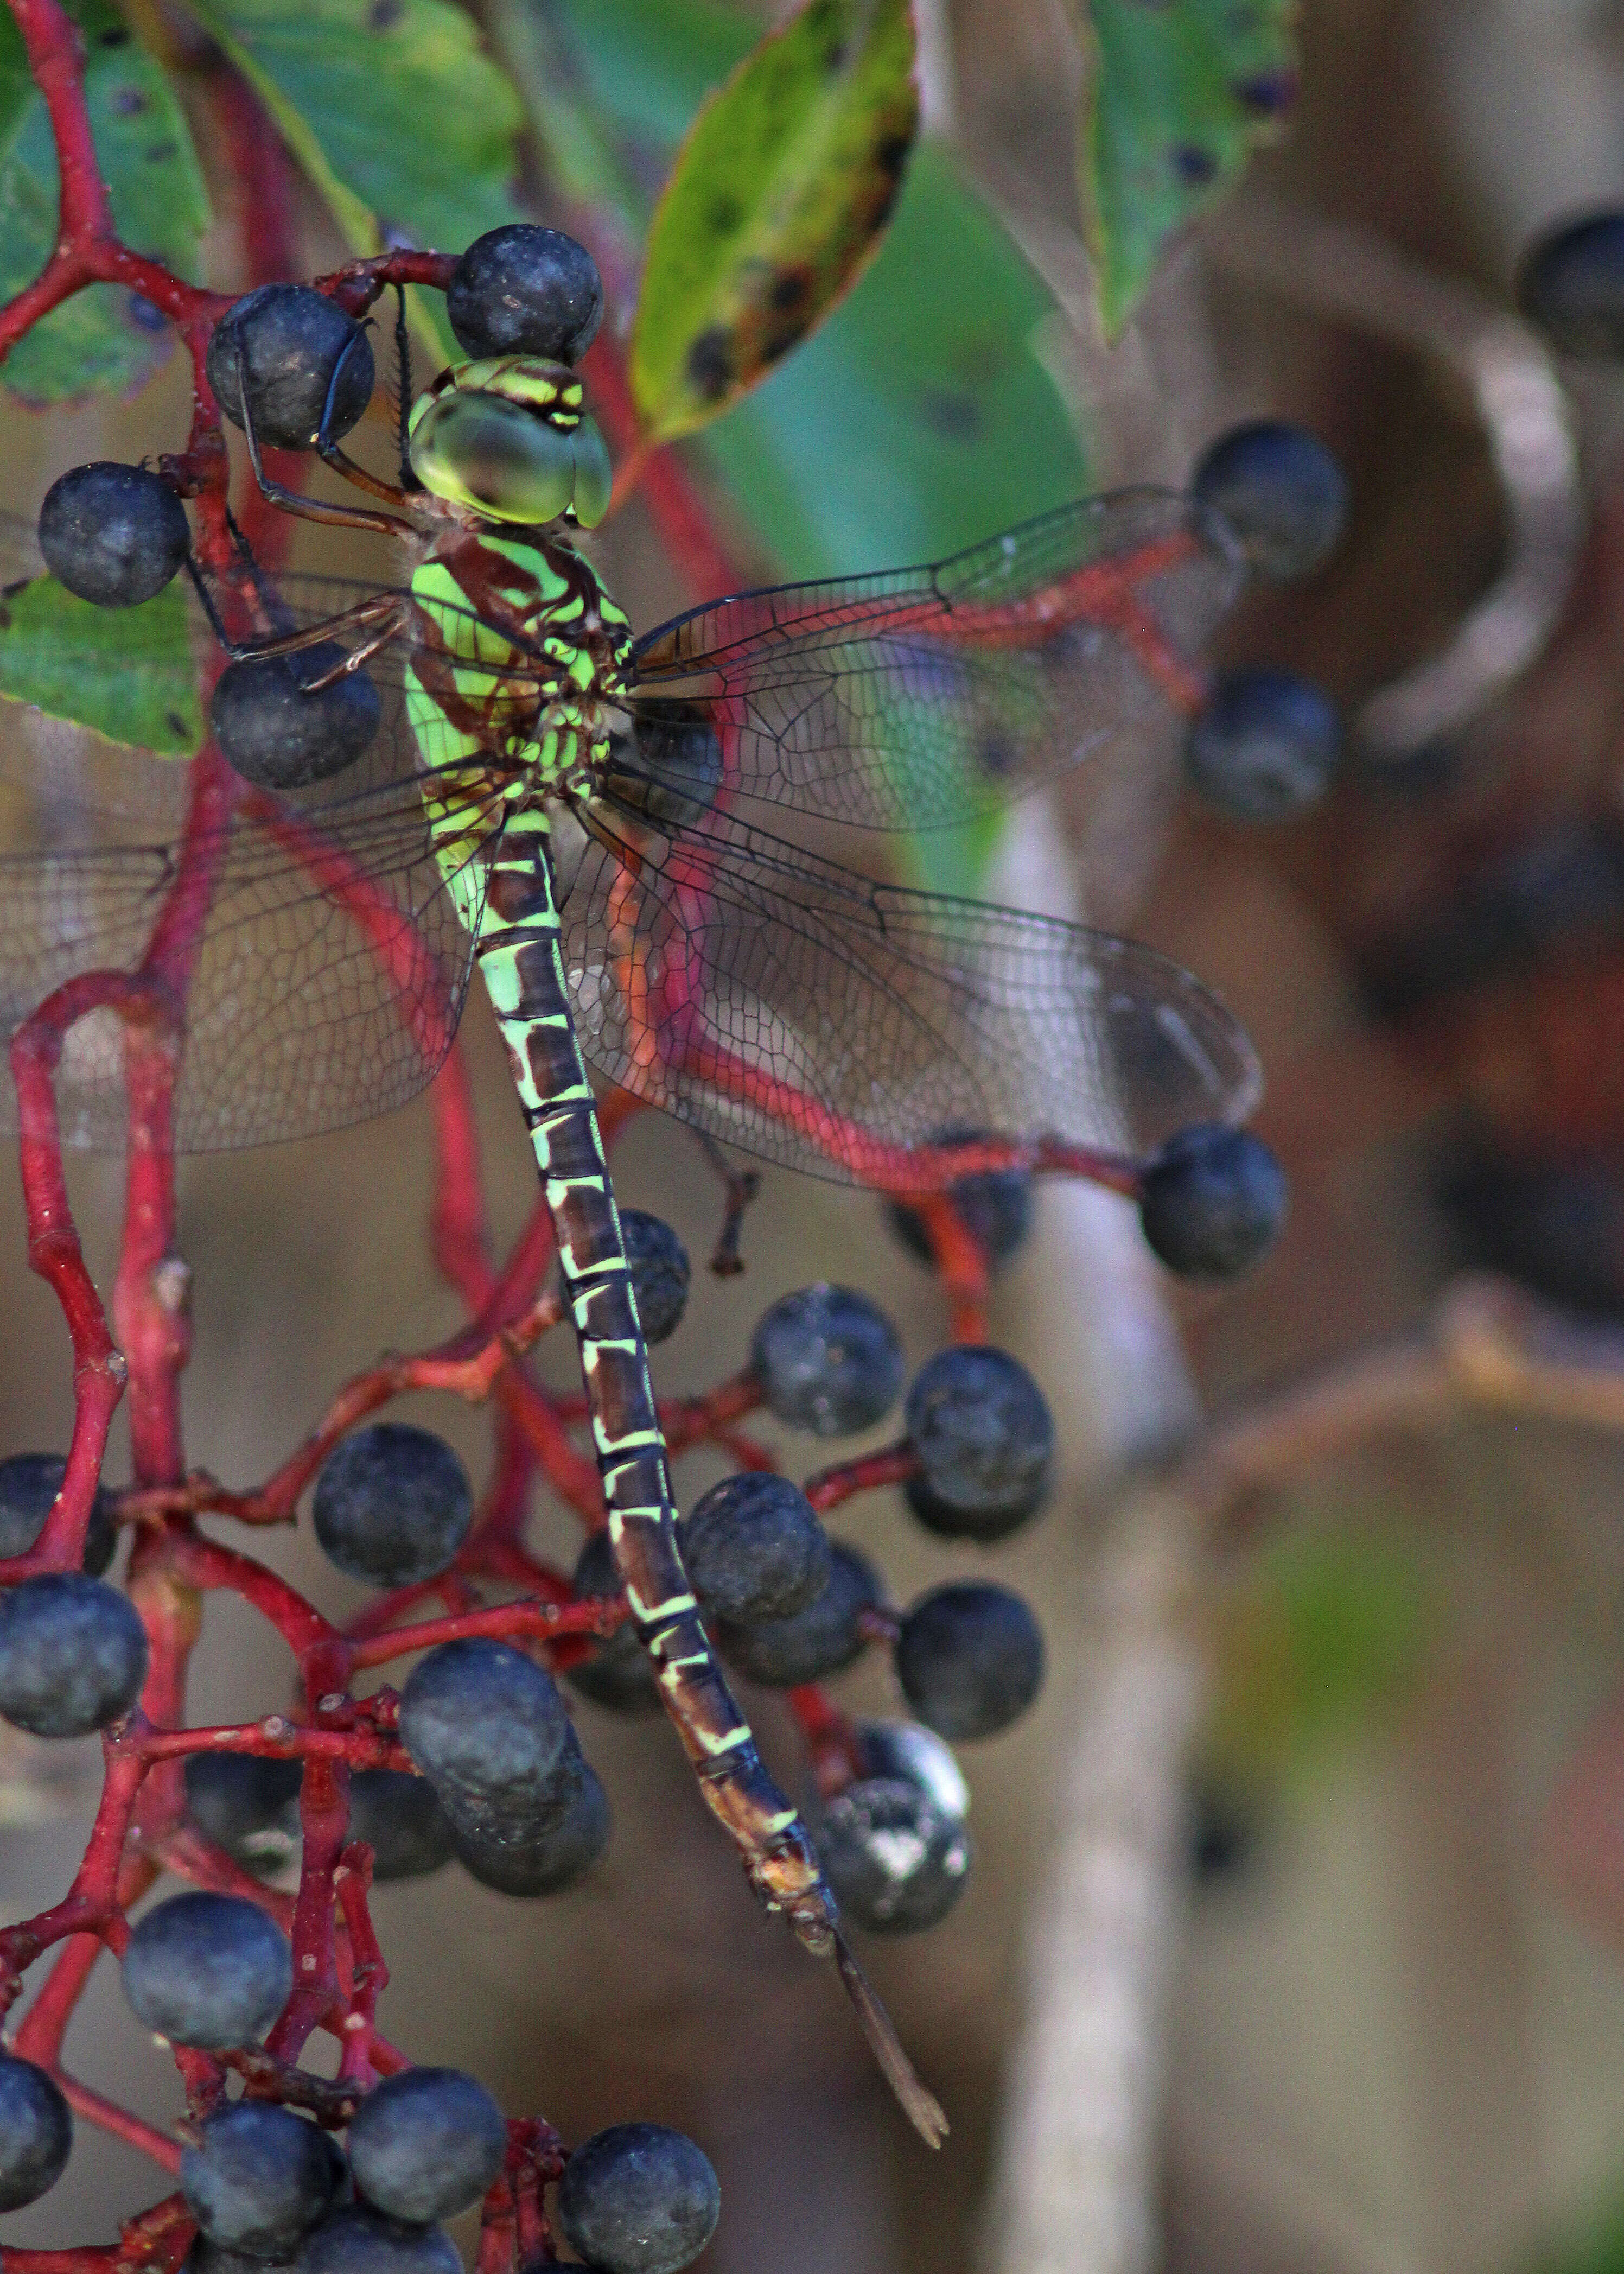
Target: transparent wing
(830, 1023)
(929, 696)
(315, 961)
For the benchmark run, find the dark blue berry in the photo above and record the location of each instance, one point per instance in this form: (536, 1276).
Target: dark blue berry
(393, 1504)
(549, 1857)
(292, 339)
(1212, 1201)
(619, 1672)
(827, 1359)
(247, 1805)
(638, 2199)
(994, 1205)
(660, 1272)
(258, 2177)
(29, 1483)
(896, 1863)
(821, 1639)
(906, 1752)
(401, 1821)
(1570, 285)
(970, 1659)
(113, 534)
(670, 765)
(1267, 745)
(208, 1970)
(36, 2133)
(427, 2143)
(487, 1727)
(523, 290)
(357, 2241)
(1280, 490)
(982, 1432)
(73, 1655)
(755, 1549)
(279, 729)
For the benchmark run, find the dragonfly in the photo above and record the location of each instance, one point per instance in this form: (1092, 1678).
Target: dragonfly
(660, 854)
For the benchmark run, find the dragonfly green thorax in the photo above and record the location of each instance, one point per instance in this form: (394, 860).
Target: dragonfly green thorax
(507, 438)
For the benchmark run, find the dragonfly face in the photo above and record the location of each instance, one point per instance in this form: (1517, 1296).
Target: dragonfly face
(508, 440)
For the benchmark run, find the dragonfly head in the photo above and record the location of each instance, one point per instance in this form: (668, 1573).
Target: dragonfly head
(507, 438)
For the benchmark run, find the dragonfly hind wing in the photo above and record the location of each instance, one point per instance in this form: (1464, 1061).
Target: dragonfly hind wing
(836, 1025)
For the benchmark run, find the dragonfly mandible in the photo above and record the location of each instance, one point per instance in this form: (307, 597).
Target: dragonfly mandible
(634, 841)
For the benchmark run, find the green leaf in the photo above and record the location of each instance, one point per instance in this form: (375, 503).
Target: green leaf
(1181, 93)
(129, 674)
(777, 199)
(400, 119)
(105, 338)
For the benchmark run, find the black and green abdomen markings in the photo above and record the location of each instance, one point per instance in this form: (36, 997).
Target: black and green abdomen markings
(522, 961)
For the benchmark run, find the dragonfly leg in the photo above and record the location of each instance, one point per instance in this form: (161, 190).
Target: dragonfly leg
(345, 517)
(382, 617)
(328, 448)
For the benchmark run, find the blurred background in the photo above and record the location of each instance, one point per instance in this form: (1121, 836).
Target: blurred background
(1295, 1936)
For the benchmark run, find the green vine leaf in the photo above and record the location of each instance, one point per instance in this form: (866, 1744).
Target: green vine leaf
(105, 339)
(400, 119)
(776, 200)
(1180, 95)
(128, 674)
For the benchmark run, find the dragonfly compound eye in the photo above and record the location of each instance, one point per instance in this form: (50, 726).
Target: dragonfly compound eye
(509, 460)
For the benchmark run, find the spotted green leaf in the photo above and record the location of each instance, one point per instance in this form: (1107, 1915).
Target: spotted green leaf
(127, 673)
(777, 199)
(105, 338)
(400, 119)
(1181, 92)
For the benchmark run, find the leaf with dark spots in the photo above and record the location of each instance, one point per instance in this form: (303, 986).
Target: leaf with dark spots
(775, 204)
(152, 173)
(1180, 95)
(126, 672)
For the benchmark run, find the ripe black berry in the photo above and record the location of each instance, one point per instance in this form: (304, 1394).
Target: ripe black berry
(525, 290)
(487, 1727)
(279, 730)
(1280, 490)
(670, 765)
(393, 1504)
(981, 1430)
(821, 1639)
(248, 1805)
(401, 1821)
(29, 1483)
(660, 1272)
(827, 1359)
(1570, 285)
(209, 1970)
(291, 338)
(970, 1659)
(1267, 745)
(113, 534)
(356, 2240)
(638, 2199)
(896, 1863)
(258, 2177)
(1212, 1201)
(755, 1549)
(619, 1672)
(544, 1858)
(994, 1205)
(908, 1753)
(73, 1655)
(426, 2144)
(36, 2133)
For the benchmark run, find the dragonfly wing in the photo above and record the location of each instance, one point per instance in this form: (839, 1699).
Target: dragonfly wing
(316, 959)
(925, 698)
(830, 1023)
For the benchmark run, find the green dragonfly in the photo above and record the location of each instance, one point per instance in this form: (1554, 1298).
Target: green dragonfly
(634, 841)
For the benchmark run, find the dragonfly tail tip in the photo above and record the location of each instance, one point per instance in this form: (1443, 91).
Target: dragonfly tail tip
(921, 2106)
